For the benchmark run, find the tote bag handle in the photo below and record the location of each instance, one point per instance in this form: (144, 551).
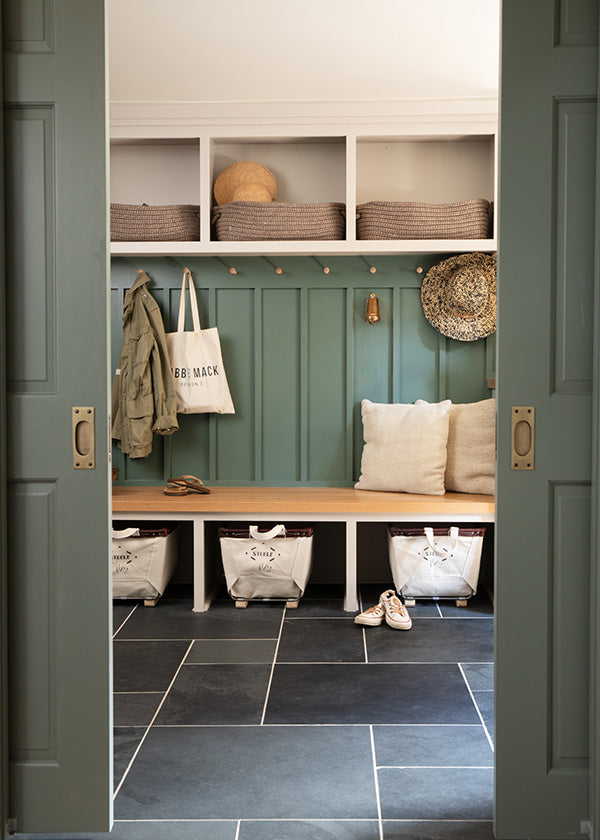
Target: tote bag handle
(453, 537)
(277, 531)
(193, 300)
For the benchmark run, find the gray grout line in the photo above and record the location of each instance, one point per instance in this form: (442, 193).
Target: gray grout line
(435, 767)
(193, 639)
(485, 729)
(137, 692)
(384, 662)
(301, 725)
(376, 782)
(124, 622)
(274, 819)
(264, 711)
(442, 820)
(300, 819)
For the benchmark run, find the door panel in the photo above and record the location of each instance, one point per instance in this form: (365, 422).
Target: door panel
(545, 360)
(58, 516)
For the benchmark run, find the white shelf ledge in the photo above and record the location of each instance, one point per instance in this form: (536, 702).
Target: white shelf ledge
(300, 248)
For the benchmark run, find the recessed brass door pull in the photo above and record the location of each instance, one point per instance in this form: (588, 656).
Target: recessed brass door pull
(523, 437)
(84, 438)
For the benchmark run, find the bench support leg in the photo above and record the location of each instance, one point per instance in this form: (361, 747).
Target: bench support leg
(200, 604)
(351, 596)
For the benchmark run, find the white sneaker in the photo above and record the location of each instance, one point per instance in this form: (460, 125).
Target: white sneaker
(373, 617)
(396, 614)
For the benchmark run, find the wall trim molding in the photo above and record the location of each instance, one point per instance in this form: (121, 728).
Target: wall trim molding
(413, 116)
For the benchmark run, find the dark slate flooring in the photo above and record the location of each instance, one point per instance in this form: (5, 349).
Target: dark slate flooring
(267, 724)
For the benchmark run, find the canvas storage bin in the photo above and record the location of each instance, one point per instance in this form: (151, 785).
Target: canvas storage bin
(262, 562)
(267, 220)
(435, 562)
(143, 560)
(146, 223)
(417, 220)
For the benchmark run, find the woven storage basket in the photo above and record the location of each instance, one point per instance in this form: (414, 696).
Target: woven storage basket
(417, 220)
(257, 220)
(142, 222)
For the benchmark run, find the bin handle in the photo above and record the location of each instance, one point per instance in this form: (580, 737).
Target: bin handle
(453, 533)
(277, 531)
(126, 532)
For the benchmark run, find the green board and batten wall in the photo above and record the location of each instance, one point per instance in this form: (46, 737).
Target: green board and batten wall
(299, 357)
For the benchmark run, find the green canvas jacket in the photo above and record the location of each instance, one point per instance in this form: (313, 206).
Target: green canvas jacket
(143, 395)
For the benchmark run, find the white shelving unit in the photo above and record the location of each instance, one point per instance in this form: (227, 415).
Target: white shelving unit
(433, 160)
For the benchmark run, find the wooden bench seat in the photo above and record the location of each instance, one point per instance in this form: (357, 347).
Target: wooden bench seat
(289, 504)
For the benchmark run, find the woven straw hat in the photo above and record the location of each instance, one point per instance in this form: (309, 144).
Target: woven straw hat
(245, 180)
(459, 296)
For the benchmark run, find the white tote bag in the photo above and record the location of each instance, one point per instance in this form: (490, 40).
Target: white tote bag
(435, 562)
(143, 560)
(266, 564)
(197, 364)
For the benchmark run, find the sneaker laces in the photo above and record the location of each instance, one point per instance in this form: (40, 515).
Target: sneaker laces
(395, 605)
(376, 609)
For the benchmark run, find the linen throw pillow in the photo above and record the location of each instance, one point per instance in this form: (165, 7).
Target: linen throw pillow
(405, 447)
(471, 464)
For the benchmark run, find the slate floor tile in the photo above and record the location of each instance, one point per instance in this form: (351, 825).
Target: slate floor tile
(125, 740)
(485, 704)
(434, 794)
(429, 640)
(324, 591)
(310, 830)
(479, 675)
(438, 830)
(146, 665)
(136, 708)
(176, 620)
(319, 608)
(432, 746)
(234, 651)
(121, 612)
(361, 694)
(479, 606)
(174, 830)
(249, 773)
(321, 640)
(216, 694)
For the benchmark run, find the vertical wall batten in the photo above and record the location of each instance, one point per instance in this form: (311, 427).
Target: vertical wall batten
(212, 423)
(351, 467)
(396, 347)
(442, 368)
(304, 384)
(256, 403)
(299, 358)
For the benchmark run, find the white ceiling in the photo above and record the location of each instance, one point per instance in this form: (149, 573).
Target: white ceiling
(232, 50)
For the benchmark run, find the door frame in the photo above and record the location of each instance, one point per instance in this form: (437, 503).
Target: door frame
(594, 814)
(3, 506)
(594, 801)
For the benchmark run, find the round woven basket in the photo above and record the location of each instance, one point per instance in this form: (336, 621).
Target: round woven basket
(245, 180)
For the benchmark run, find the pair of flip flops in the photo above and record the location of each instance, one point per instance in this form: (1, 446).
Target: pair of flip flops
(183, 485)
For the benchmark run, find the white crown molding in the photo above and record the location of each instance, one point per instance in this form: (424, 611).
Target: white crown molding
(414, 116)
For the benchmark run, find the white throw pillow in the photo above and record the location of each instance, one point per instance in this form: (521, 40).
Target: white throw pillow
(471, 463)
(405, 447)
